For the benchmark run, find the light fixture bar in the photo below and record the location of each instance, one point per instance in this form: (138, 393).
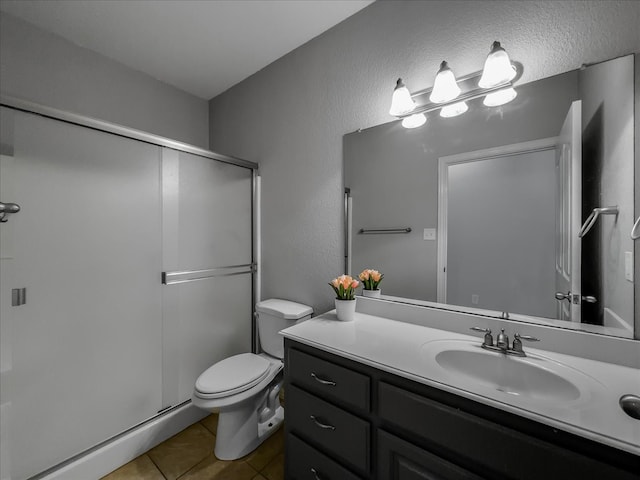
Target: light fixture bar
(463, 97)
(474, 75)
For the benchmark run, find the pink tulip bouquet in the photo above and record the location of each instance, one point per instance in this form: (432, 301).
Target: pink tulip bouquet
(370, 279)
(345, 287)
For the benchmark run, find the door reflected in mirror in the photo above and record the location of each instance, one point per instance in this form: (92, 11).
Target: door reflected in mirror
(513, 192)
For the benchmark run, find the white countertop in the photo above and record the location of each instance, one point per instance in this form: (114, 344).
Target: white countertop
(402, 349)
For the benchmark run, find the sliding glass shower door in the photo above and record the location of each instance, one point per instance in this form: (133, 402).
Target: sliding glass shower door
(99, 343)
(207, 218)
(86, 346)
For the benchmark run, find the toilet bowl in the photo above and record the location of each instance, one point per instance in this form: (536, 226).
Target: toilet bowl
(244, 388)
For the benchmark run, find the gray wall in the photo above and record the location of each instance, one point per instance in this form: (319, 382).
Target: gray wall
(607, 122)
(291, 115)
(45, 68)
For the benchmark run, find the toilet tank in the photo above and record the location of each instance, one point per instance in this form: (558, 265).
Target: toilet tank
(274, 315)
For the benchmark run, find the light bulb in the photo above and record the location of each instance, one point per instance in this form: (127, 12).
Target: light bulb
(500, 97)
(401, 102)
(497, 68)
(414, 121)
(454, 110)
(445, 87)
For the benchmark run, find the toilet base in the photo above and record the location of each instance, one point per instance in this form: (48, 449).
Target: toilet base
(236, 434)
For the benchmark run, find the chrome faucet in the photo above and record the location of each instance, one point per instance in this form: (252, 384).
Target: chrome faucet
(502, 342)
(517, 342)
(488, 339)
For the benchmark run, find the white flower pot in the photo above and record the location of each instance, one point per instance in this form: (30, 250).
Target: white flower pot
(346, 310)
(371, 293)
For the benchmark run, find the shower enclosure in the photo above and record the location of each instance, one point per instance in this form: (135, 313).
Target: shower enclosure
(127, 271)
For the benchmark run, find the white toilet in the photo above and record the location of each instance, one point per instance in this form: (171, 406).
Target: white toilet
(244, 388)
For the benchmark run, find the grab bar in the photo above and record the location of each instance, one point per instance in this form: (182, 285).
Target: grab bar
(591, 219)
(373, 231)
(635, 231)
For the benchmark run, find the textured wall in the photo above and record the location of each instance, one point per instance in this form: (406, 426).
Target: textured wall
(45, 68)
(291, 116)
(607, 122)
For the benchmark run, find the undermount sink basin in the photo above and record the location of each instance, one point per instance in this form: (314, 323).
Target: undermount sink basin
(532, 377)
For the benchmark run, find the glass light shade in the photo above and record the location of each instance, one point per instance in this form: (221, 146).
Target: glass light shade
(401, 102)
(414, 121)
(445, 87)
(500, 97)
(454, 110)
(497, 68)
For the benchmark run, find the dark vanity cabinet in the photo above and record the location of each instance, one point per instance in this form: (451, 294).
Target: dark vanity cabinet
(347, 421)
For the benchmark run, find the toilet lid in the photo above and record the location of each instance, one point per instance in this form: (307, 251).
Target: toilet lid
(233, 375)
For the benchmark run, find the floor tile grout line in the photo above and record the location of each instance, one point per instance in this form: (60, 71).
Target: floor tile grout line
(146, 454)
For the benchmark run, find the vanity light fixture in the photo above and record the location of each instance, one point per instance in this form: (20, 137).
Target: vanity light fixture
(401, 102)
(450, 96)
(500, 97)
(454, 110)
(445, 87)
(414, 121)
(497, 68)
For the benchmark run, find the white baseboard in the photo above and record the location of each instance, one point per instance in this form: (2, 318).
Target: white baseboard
(125, 448)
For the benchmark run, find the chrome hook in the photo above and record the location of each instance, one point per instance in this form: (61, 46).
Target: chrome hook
(7, 209)
(591, 219)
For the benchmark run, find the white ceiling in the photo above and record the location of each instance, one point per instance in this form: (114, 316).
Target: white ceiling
(200, 46)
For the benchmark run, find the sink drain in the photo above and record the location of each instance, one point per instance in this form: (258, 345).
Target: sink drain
(631, 405)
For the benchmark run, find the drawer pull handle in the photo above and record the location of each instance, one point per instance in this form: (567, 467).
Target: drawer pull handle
(322, 380)
(320, 424)
(315, 474)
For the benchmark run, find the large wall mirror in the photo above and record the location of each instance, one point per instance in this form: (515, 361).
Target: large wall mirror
(523, 210)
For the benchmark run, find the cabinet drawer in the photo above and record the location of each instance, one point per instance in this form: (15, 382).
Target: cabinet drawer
(306, 463)
(329, 380)
(329, 428)
(485, 447)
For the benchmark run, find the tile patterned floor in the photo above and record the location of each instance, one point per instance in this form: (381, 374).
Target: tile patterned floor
(189, 456)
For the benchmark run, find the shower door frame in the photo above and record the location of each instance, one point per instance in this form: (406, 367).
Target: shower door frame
(26, 106)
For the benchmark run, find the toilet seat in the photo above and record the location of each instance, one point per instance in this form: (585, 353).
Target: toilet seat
(232, 375)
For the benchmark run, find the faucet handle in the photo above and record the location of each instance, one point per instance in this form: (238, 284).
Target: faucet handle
(480, 329)
(529, 338)
(488, 339)
(517, 341)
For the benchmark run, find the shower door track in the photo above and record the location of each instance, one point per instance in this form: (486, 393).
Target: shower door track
(122, 131)
(109, 440)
